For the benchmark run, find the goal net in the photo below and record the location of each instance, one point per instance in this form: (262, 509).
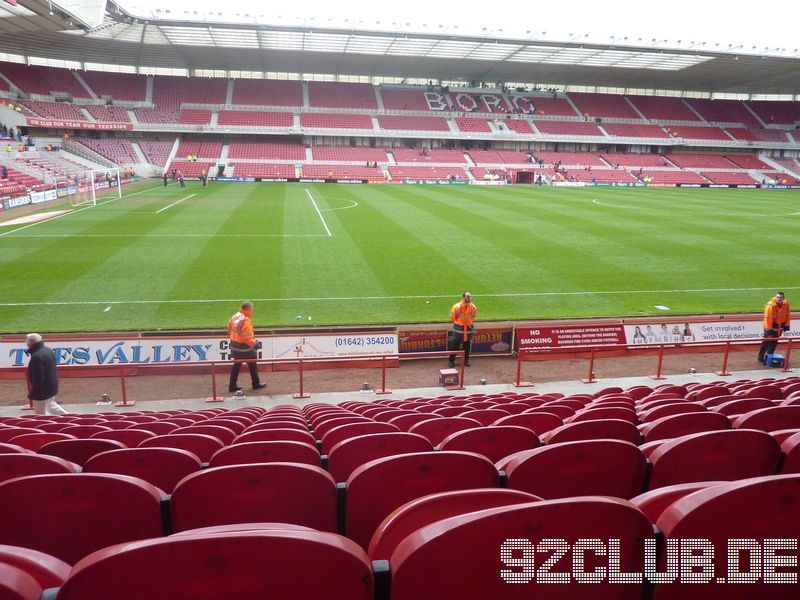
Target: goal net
(85, 188)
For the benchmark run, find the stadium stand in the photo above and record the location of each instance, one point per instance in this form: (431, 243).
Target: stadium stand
(428, 173)
(108, 114)
(34, 79)
(603, 105)
(263, 170)
(697, 133)
(323, 171)
(433, 155)
(401, 123)
(663, 108)
(550, 106)
(519, 126)
(200, 149)
(55, 110)
(349, 154)
(156, 152)
(156, 115)
(170, 92)
(119, 86)
(700, 161)
(470, 125)
(406, 99)
(635, 130)
(325, 94)
(335, 121)
(194, 116)
(118, 151)
(779, 113)
(266, 151)
(266, 92)
(253, 118)
(574, 128)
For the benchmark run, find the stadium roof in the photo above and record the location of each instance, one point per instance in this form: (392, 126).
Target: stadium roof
(164, 41)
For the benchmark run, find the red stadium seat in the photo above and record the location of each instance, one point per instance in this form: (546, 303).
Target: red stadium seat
(161, 467)
(539, 423)
(279, 492)
(654, 502)
(714, 455)
(345, 432)
(791, 454)
(7, 434)
(47, 570)
(131, 438)
(157, 427)
(251, 564)
(346, 456)
(280, 434)
(16, 584)
(199, 444)
(734, 408)
(436, 429)
(24, 464)
(71, 515)
(415, 514)
(407, 421)
(666, 410)
(12, 449)
(34, 441)
(595, 467)
(377, 488)
(765, 419)
(475, 541)
(751, 510)
(492, 442)
(80, 450)
(485, 416)
(266, 452)
(223, 434)
(603, 429)
(604, 412)
(323, 426)
(84, 431)
(677, 425)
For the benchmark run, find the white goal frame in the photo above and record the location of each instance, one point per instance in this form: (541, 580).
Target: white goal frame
(93, 181)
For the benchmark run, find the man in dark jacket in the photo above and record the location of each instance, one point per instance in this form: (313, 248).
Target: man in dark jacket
(43, 377)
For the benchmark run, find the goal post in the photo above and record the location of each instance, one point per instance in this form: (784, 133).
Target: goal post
(85, 187)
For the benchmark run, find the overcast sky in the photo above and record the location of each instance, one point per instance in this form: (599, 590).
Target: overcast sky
(773, 25)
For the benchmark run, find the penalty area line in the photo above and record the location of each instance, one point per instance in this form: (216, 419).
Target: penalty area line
(321, 218)
(175, 203)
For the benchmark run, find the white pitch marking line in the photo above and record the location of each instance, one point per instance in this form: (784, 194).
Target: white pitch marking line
(169, 235)
(108, 308)
(353, 205)
(74, 212)
(175, 203)
(596, 201)
(416, 297)
(319, 213)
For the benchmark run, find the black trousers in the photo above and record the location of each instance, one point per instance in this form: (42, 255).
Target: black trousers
(456, 341)
(253, 366)
(768, 346)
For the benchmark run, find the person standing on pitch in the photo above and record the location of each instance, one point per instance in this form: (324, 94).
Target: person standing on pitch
(165, 179)
(776, 321)
(43, 377)
(243, 346)
(463, 317)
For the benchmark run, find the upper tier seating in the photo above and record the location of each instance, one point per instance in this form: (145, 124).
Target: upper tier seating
(701, 161)
(405, 99)
(698, 133)
(335, 121)
(583, 159)
(266, 92)
(624, 159)
(55, 110)
(170, 92)
(580, 128)
(547, 105)
(724, 111)
(635, 130)
(663, 108)
(342, 95)
(199, 149)
(156, 152)
(118, 151)
(263, 170)
(194, 116)
(108, 114)
(119, 86)
(349, 154)
(33, 79)
(254, 118)
(779, 113)
(428, 173)
(603, 105)
(748, 161)
(519, 126)
(321, 171)
(478, 102)
(469, 125)
(267, 151)
(156, 115)
(413, 123)
(435, 155)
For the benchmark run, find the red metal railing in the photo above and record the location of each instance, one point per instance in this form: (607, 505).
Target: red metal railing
(381, 359)
(524, 354)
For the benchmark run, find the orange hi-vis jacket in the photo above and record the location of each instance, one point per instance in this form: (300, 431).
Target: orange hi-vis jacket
(776, 316)
(240, 330)
(463, 316)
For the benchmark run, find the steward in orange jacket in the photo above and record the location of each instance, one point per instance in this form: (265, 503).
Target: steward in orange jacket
(243, 346)
(776, 321)
(463, 317)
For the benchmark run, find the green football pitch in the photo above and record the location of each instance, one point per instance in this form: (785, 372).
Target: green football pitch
(367, 254)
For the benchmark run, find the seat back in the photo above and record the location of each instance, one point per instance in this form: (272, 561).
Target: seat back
(34, 441)
(47, 570)
(515, 534)
(351, 430)
(286, 564)
(601, 429)
(714, 455)
(346, 456)
(80, 450)
(417, 513)
(438, 428)
(201, 445)
(251, 493)
(790, 448)
(276, 435)
(751, 510)
(223, 434)
(131, 438)
(654, 502)
(594, 467)
(266, 452)
(539, 423)
(492, 442)
(677, 425)
(161, 467)
(380, 486)
(767, 419)
(24, 464)
(71, 515)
